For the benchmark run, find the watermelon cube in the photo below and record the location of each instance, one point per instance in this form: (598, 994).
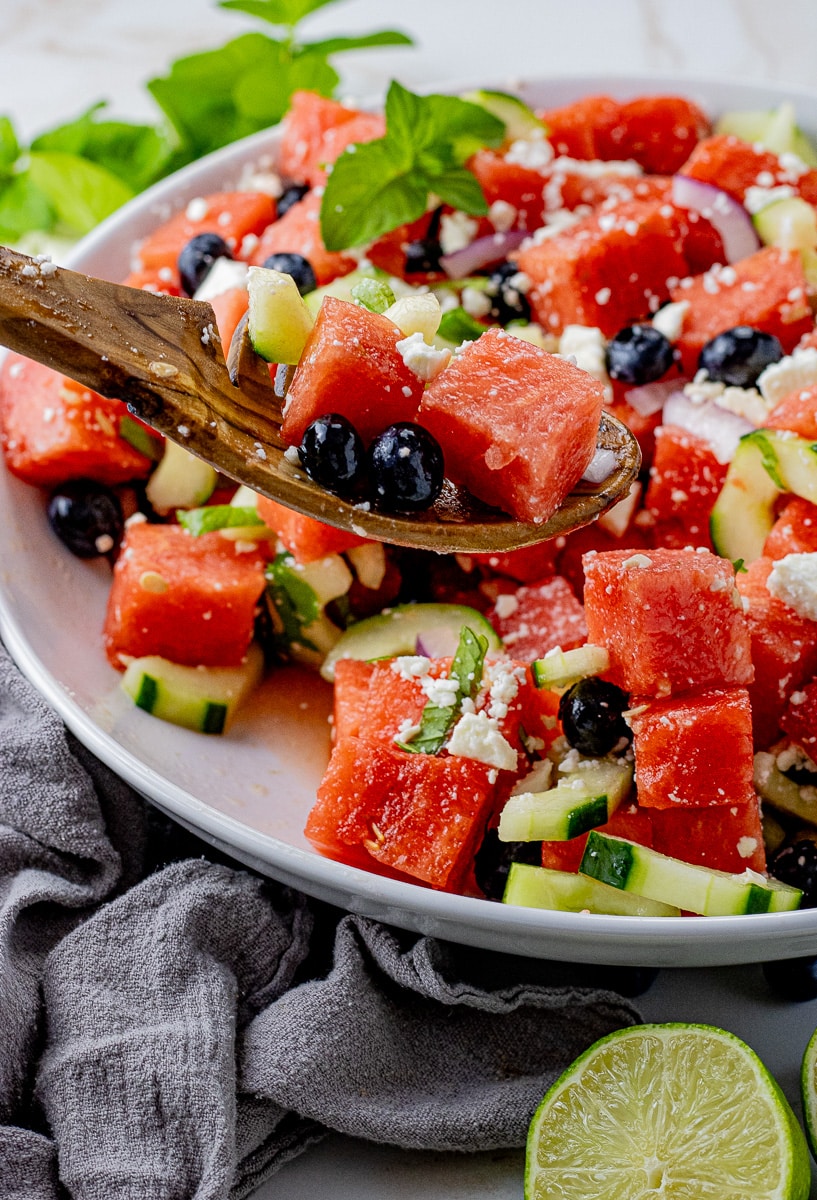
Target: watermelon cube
(784, 650)
(234, 216)
(190, 599)
(724, 837)
(54, 429)
(351, 365)
(298, 231)
(421, 814)
(796, 412)
(734, 166)
(671, 620)
(306, 539)
(608, 270)
(767, 290)
(535, 619)
(316, 130)
(517, 426)
(629, 821)
(685, 481)
(799, 719)
(693, 750)
(794, 531)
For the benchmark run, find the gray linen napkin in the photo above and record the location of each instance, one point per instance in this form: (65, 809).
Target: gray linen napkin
(179, 1033)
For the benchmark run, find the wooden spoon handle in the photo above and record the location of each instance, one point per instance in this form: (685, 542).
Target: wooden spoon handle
(160, 354)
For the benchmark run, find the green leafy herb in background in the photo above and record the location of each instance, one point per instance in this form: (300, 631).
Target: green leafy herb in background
(438, 720)
(382, 184)
(75, 175)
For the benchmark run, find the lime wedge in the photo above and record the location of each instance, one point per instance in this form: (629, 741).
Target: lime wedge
(677, 1111)
(808, 1091)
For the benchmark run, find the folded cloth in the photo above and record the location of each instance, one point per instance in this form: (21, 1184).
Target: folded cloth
(180, 1033)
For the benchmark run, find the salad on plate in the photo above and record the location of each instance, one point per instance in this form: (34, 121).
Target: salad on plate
(621, 720)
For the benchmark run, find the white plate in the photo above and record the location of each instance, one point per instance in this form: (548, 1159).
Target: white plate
(249, 793)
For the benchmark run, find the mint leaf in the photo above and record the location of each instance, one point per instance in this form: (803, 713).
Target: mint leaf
(384, 183)
(24, 207)
(458, 326)
(363, 41)
(438, 720)
(277, 12)
(136, 154)
(80, 193)
(294, 602)
(9, 146)
(217, 516)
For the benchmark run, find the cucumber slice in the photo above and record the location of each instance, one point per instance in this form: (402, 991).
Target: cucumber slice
(562, 668)
(540, 887)
(200, 698)
(431, 629)
(180, 480)
(634, 868)
(776, 129)
(580, 801)
(419, 313)
(782, 793)
(279, 321)
(790, 223)
(766, 463)
(520, 121)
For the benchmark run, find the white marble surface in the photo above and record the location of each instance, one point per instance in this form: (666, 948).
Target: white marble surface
(58, 56)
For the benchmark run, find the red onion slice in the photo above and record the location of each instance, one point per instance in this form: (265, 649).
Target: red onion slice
(483, 252)
(601, 465)
(720, 427)
(731, 219)
(650, 398)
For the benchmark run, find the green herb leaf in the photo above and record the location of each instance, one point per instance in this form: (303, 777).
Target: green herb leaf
(363, 41)
(375, 186)
(9, 146)
(80, 193)
(136, 154)
(459, 326)
(277, 12)
(294, 602)
(438, 720)
(217, 516)
(24, 207)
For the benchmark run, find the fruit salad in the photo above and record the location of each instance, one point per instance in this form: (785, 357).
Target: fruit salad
(621, 720)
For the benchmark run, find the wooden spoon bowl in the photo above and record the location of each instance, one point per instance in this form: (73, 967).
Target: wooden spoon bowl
(162, 356)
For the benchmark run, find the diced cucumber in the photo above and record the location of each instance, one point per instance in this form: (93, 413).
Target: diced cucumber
(776, 129)
(540, 887)
(434, 628)
(279, 321)
(342, 288)
(580, 801)
(180, 480)
(200, 698)
(562, 668)
(374, 294)
(766, 463)
(782, 793)
(370, 563)
(520, 121)
(634, 868)
(418, 313)
(790, 223)
(135, 433)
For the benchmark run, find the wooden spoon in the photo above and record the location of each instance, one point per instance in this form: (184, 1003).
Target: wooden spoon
(162, 356)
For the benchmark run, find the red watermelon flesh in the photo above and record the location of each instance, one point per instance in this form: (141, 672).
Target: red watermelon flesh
(351, 365)
(316, 130)
(685, 481)
(306, 539)
(54, 429)
(671, 620)
(784, 650)
(694, 750)
(767, 290)
(421, 814)
(234, 216)
(734, 166)
(799, 719)
(298, 231)
(796, 412)
(581, 129)
(608, 270)
(530, 564)
(794, 531)
(659, 132)
(190, 599)
(723, 837)
(517, 426)
(535, 619)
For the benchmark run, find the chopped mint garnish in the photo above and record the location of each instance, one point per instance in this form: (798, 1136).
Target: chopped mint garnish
(379, 185)
(295, 603)
(374, 294)
(738, 566)
(217, 516)
(458, 326)
(438, 720)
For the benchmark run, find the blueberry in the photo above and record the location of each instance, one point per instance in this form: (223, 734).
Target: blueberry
(332, 454)
(198, 256)
(405, 468)
(796, 864)
(792, 978)
(290, 196)
(87, 517)
(639, 354)
(590, 712)
(295, 265)
(423, 256)
(738, 356)
(508, 302)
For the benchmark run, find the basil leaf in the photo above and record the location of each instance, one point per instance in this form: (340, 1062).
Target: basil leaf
(294, 602)
(217, 516)
(438, 720)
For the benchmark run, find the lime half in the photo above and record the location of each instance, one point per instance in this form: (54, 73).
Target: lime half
(684, 1112)
(808, 1091)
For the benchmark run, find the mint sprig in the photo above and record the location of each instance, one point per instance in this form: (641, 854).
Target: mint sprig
(438, 720)
(379, 185)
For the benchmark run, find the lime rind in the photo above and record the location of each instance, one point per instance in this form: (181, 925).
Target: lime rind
(676, 1109)
(808, 1092)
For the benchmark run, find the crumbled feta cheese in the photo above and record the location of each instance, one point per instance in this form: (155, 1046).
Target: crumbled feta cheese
(793, 580)
(293, 455)
(411, 666)
(475, 302)
(197, 209)
(506, 606)
(457, 230)
(795, 371)
(669, 320)
(534, 153)
(477, 736)
(537, 779)
(423, 360)
(224, 274)
(755, 199)
(587, 345)
(502, 215)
